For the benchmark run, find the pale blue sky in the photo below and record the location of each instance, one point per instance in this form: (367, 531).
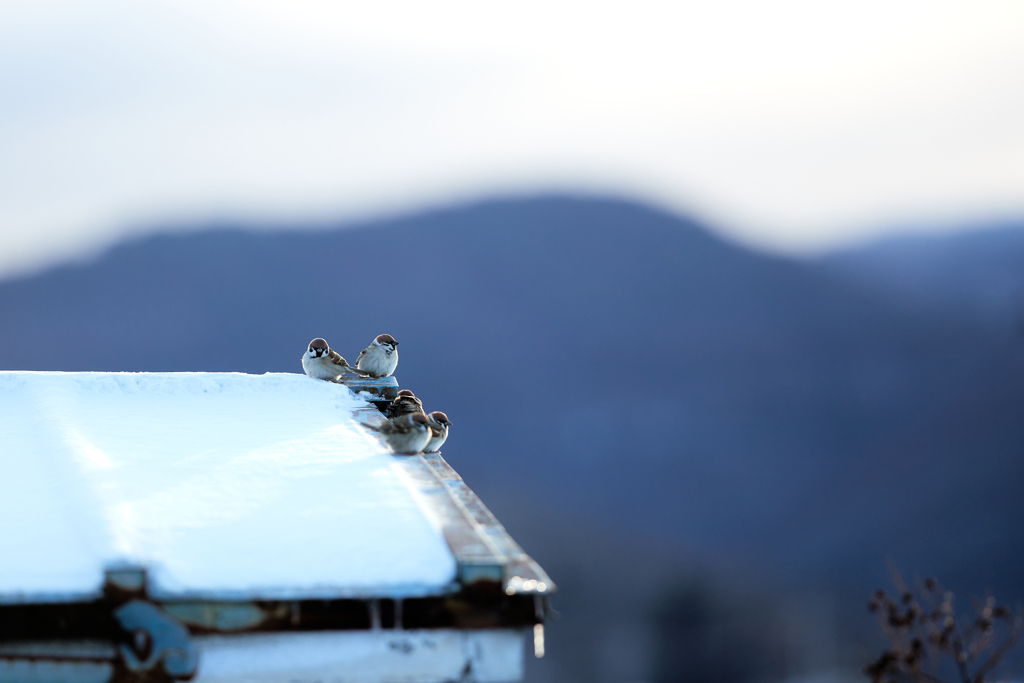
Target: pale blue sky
(796, 125)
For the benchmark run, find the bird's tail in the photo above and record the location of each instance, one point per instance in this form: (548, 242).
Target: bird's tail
(351, 370)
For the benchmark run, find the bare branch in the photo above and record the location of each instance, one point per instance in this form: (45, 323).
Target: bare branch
(1012, 636)
(922, 628)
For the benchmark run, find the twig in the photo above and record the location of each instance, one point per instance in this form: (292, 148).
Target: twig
(1011, 639)
(923, 628)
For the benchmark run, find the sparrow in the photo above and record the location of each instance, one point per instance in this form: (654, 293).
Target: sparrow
(438, 425)
(321, 362)
(404, 404)
(380, 358)
(407, 434)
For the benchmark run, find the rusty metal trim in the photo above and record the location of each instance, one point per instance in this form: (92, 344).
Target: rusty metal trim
(477, 557)
(520, 573)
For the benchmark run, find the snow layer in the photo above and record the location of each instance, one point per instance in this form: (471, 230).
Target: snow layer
(224, 485)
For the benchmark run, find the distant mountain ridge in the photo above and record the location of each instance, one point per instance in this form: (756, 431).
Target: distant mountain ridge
(978, 270)
(606, 361)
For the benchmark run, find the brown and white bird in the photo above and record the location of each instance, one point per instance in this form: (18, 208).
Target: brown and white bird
(404, 404)
(380, 358)
(321, 362)
(407, 434)
(439, 425)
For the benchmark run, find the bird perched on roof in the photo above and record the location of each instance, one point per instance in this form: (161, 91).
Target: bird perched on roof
(380, 358)
(407, 434)
(320, 361)
(404, 404)
(439, 425)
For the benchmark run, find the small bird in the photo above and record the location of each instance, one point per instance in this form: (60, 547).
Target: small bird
(321, 362)
(404, 404)
(407, 434)
(439, 425)
(380, 358)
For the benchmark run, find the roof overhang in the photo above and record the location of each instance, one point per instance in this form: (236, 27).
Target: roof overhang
(192, 506)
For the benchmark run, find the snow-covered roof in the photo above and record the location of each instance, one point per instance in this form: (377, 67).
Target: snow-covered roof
(222, 485)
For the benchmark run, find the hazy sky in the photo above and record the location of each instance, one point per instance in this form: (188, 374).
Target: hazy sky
(796, 125)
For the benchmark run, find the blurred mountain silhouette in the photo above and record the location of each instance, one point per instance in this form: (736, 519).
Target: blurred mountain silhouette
(978, 271)
(654, 413)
